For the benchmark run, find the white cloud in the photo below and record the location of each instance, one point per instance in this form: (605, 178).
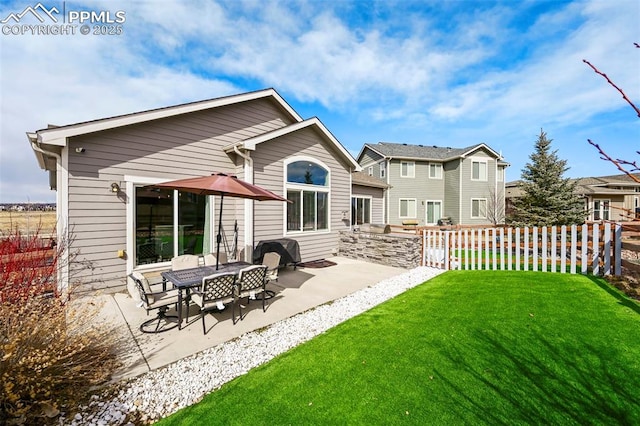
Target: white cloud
(395, 70)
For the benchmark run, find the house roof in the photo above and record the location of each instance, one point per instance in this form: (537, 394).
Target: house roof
(54, 137)
(363, 179)
(618, 180)
(57, 135)
(424, 152)
(314, 122)
(590, 185)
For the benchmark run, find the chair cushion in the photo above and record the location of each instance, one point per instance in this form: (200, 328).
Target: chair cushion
(185, 261)
(211, 304)
(164, 298)
(145, 285)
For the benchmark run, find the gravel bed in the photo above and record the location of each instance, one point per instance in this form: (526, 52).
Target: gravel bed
(161, 392)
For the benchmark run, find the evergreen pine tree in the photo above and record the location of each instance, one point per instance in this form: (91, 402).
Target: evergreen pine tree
(548, 198)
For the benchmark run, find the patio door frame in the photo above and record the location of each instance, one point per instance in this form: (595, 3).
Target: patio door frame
(426, 211)
(131, 182)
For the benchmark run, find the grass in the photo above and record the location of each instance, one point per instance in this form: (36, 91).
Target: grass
(27, 222)
(462, 256)
(467, 347)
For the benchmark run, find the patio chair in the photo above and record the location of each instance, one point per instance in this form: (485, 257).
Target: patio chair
(210, 259)
(185, 261)
(252, 281)
(272, 261)
(151, 300)
(215, 292)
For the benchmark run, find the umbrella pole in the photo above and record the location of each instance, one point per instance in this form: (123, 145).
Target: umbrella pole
(219, 237)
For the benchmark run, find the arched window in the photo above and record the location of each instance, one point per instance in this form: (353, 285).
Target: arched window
(308, 190)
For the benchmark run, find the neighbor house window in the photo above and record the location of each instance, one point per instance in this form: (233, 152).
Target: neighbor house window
(383, 170)
(479, 170)
(407, 169)
(370, 170)
(500, 176)
(434, 211)
(407, 207)
(308, 193)
(479, 208)
(601, 209)
(360, 210)
(158, 224)
(435, 171)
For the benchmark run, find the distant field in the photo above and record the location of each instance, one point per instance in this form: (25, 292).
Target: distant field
(27, 222)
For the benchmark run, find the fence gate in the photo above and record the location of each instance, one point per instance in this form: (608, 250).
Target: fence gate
(589, 248)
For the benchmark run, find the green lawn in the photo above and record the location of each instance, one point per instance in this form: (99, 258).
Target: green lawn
(468, 347)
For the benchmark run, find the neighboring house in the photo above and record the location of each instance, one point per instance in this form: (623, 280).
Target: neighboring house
(367, 199)
(428, 183)
(101, 170)
(614, 197)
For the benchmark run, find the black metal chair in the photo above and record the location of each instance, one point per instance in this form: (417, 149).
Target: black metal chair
(160, 300)
(216, 291)
(252, 281)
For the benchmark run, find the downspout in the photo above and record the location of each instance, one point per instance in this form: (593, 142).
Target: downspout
(248, 206)
(61, 226)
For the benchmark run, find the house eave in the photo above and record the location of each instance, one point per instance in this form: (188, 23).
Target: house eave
(58, 136)
(250, 144)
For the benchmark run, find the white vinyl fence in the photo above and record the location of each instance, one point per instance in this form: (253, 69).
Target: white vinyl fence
(589, 248)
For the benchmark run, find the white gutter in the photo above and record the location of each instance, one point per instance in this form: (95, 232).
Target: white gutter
(248, 206)
(61, 216)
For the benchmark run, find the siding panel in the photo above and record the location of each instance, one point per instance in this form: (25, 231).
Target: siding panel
(171, 148)
(270, 217)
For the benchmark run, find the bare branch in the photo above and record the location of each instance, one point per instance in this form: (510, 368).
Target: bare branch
(624, 96)
(617, 162)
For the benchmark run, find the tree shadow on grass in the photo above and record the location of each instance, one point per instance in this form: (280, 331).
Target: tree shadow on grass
(540, 380)
(623, 299)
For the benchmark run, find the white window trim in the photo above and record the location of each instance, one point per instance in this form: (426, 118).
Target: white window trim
(413, 169)
(426, 203)
(415, 208)
(370, 170)
(485, 208)
(500, 174)
(437, 168)
(307, 187)
(368, 197)
(601, 201)
(383, 170)
(486, 169)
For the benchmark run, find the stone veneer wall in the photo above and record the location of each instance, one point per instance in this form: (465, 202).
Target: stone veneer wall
(401, 251)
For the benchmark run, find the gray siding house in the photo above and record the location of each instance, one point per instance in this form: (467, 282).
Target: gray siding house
(428, 183)
(367, 199)
(606, 198)
(117, 224)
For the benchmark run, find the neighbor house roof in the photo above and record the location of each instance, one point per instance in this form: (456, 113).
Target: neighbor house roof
(363, 179)
(425, 152)
(620, 184)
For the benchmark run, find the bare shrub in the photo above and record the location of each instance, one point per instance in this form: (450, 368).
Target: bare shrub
(52, 351)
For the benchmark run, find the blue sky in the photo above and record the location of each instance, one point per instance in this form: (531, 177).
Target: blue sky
(446, 73)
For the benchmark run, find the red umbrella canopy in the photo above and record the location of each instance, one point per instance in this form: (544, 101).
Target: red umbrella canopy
(221, 184)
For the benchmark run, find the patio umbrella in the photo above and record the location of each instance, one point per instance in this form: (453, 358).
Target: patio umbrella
(221, 184)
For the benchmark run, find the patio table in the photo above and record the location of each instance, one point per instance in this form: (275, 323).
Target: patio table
(185, 279)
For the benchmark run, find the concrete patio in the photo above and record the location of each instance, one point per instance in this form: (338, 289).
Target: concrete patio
(295, 291)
